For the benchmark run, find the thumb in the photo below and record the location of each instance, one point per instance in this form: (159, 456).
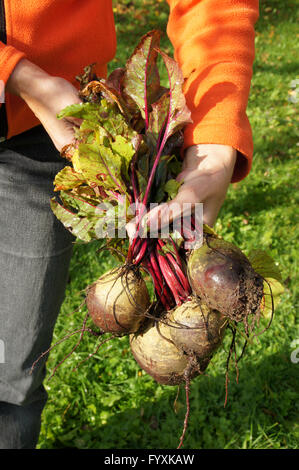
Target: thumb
(75, 121)
(163, 215)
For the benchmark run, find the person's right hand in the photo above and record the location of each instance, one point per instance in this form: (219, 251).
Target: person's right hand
(46, 96)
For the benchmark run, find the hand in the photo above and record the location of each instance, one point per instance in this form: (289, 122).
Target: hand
(206, 175)
(46, 96)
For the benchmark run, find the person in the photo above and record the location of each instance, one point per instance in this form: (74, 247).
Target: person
(43, 46)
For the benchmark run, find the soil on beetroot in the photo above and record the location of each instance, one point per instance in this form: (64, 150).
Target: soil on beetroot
(222, 276)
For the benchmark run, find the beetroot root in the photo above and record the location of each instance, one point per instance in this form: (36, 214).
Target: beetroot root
(117, 301)
(196, 329)
(222, 277)
(156, 353)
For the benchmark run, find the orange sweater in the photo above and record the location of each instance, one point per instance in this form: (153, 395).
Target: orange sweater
(213, 42)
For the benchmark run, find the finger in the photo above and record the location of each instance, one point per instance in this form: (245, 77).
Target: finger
(168, 215)
(75, 121)
(182, 205)
(61, 133)
(158, 217)
(135, 228)
(131, 229)
(211, 209)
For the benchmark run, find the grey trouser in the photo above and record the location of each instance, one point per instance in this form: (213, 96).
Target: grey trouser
(35, 252)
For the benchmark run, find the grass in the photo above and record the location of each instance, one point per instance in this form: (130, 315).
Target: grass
(109, 402)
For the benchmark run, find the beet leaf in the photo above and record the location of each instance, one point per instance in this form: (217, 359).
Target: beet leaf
(141, 81)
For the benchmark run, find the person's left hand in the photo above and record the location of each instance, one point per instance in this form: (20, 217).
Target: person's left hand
(46, 96)
(206, 175)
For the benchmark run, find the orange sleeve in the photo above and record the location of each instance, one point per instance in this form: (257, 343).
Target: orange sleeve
(9, 57)
(214, 46)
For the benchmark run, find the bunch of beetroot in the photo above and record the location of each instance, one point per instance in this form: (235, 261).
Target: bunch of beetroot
(127, 154)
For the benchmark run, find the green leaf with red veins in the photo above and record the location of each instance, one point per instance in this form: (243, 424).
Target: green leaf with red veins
(82, 206)
(80, 227)
(94, 115)
(158, 117)
(89, 195)
(141, 81)
(88, 111)
(91, 165)
(125, 150)
(68, 178)
(100, 166)
(91, 220)
(179, 114)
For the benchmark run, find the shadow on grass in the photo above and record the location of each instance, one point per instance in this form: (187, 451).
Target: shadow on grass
(260, 198)
(264, 399)
(277, 69)
(275, 12)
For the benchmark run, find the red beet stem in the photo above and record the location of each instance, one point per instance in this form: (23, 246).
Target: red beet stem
(177, 255)
(157, 286)
(170, 278)
(176, 265)
(140, 249)
(163, 286)
(179, 274)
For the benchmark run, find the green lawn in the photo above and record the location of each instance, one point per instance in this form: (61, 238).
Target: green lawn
(108, 402)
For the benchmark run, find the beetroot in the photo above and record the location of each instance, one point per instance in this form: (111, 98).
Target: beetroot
(117, 301)
(222, 276)
(157, 354)
(196, 328)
